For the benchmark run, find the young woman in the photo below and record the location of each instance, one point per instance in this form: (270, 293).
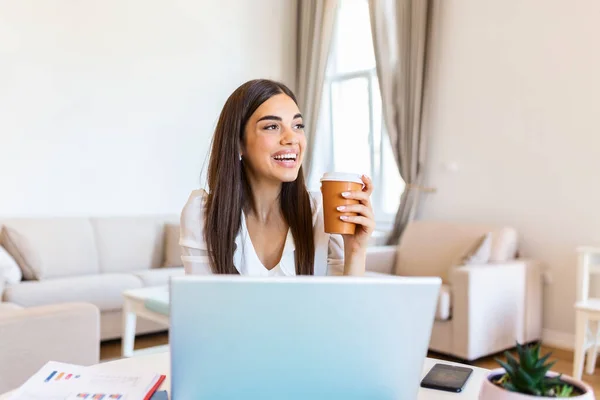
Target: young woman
(258, 218)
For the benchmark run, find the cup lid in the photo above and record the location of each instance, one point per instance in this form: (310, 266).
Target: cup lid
(342, 177)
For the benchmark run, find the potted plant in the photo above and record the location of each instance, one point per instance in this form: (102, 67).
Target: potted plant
(530, 377)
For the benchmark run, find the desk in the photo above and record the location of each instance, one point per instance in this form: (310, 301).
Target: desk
(160, 363)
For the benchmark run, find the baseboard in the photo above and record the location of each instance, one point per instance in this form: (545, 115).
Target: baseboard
(557, 339)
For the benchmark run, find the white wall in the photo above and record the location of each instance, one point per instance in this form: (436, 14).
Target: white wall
(108, 107)
(514, 101)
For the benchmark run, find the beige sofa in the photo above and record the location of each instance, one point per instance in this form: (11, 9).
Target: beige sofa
(91, 260)
(484, 307)
(33, 336)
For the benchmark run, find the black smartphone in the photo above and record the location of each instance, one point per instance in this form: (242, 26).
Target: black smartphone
(446, 377)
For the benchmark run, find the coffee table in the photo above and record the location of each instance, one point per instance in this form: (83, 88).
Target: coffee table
(150, 303)
(160, 363)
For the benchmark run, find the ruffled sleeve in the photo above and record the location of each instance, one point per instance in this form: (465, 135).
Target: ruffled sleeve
(335, 256)
(329, 249)
(191, 238)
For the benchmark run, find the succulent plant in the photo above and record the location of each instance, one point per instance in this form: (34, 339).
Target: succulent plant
(527, 375)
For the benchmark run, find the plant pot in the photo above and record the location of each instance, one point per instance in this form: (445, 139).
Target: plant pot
(491, 391)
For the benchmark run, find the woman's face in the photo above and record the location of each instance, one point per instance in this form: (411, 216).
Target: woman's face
(274, 140)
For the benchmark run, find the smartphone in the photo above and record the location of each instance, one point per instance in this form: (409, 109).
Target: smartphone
(446, 377)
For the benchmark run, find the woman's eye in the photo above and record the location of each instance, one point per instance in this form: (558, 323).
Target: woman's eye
(300, 126)
(271, 127)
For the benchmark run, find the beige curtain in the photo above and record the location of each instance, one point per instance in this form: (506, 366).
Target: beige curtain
(400, 29)
(315, 28)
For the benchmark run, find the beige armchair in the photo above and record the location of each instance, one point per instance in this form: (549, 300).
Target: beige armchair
(483, 307)
(30, 337)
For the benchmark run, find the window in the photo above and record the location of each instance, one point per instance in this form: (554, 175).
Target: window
(351, 111)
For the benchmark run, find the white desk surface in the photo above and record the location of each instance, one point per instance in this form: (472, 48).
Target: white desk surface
(160, 363)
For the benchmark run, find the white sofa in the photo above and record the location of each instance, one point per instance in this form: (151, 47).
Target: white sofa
(30, 337)
(93, 260)
(483, 308)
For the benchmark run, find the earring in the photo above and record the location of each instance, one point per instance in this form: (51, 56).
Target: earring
(240, 156)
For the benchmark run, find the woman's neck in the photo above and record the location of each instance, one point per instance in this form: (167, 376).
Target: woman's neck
(266, 199)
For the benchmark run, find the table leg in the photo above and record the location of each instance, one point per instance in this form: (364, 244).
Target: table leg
(581, 328)
(128, 337)
(593, 350)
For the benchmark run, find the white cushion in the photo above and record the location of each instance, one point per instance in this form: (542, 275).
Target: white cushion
(444, 306)
(9, 269)
(127, 244)
(53, 247)
(159, 276)
(104, 291)
(480, 252)
(504, 245)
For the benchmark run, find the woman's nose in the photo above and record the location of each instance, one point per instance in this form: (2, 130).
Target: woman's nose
(289, 137)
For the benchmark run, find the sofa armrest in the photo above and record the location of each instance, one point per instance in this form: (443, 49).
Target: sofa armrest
(30, 337)
(494, 306)
(381, 259)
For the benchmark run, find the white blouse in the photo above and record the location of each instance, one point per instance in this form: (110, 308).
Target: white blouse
(329, 249)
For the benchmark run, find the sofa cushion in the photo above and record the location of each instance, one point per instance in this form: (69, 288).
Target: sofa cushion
(480, 251)
(159, 276)
(51, 247)
(103, 290)
(9, 269)
(127, 244)
(504, 245)
(444, 306)
(172, 247)
(431, 248)
(19, 248)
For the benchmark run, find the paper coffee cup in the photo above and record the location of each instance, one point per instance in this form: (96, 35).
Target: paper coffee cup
(333, 184)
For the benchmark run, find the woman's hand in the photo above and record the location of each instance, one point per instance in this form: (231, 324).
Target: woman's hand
(356, 245)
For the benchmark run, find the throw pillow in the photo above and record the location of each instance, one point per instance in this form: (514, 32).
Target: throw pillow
(9, 269)
(21, 250)
(505, 245)
(480, 252)
(172, 248)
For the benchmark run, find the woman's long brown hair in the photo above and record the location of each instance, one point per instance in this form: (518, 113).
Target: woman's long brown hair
(229, 188)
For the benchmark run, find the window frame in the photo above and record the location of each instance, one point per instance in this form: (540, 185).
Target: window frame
(376, 149)
(384, 220)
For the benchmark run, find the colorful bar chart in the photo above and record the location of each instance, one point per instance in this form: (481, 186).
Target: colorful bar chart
(99, 396)
(58, 376)
(50, 376)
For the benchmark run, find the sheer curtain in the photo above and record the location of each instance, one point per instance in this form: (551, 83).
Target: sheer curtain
(315, 28)
(400, 31)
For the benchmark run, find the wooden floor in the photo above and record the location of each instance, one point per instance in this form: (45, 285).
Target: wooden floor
(564, 358)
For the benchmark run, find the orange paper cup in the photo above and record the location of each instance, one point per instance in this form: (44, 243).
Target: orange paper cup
(333, 184)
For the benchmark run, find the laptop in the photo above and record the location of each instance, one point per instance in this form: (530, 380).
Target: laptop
(351, 338)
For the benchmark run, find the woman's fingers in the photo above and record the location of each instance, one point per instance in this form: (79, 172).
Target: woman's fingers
(359, 209)
(365, 216)
(359, 220)
(368, 184)
(363, 197)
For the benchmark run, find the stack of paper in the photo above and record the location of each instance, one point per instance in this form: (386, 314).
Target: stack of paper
(60, 381)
